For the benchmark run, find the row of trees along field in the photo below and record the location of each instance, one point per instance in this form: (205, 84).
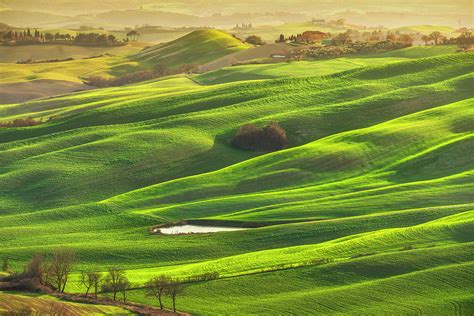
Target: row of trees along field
(465, 39)
(28, 37)
(51, 274)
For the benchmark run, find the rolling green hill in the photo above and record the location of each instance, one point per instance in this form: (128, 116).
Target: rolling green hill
(290, 69)
(426, 29)
(319, 67)
(197, 47)
(370, 208)
(22, 82)
(421, 51)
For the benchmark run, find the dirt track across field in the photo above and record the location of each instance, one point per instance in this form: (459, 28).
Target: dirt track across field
(264, 51)
(24, 91)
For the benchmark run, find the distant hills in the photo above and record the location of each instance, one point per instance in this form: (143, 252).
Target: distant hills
(133, 17)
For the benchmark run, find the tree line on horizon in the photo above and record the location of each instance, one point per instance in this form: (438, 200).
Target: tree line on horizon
(28, 36)
(464, 40)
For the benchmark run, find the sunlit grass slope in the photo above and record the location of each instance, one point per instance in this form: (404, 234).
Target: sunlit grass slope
(48, 305)
(12, 54)
(319, 67)
(426, 29)
(421, 51)
(378, 180)
(291, 69)
(73, 70)
(197, 47)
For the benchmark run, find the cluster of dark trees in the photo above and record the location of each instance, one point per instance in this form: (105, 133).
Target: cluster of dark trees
(133, 35)
(95, 38)
(21, 123)
(465, 40)
(47, 276)
(270, 138)
(345, 38)
(28, 36)
(139, 76)
(348, 49)
(41, 275)
(255, 40)
(298, 38)
(435, 37)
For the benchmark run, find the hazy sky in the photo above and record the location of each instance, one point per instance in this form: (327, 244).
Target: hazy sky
(404, 11)
(244, 5)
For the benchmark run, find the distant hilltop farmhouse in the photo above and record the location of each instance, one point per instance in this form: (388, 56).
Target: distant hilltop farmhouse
(313, 36)
(318, 21)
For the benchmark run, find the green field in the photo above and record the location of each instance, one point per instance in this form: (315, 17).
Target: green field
(426, 29)
(289, 69)
(378, 180)
(319, 67)
(421, 51)
(198, 47)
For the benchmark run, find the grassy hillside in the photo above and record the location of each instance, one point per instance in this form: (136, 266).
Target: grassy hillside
(426, 29)
(291, 69)
(377, 181)
(421, 51)
(319, 67)
(21, 82)
(197, 47)
(12, 54)
(48, 305)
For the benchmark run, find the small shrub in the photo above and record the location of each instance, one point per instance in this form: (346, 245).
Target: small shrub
(21, 123)
(360, 255)
(208, 276)
(270, 138)
(254, 40)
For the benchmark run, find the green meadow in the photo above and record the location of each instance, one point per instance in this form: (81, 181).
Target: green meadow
(370, 209)
(195, 48)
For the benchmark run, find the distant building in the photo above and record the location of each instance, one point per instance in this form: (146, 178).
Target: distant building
(318, 21)
(313, 36)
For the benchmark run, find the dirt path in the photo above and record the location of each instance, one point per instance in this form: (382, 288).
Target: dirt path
(264, 51)
(133, 307)
(24, 91)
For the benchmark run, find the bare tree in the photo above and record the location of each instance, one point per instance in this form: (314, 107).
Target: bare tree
(91, 279)
(114, 281)
(436, 36)
(156, 287)
(35, 268)
(426, 39)
(86, 281)
(124, 285)
(173, 289)
(60, 267)
(96, 278)
(406, 39)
